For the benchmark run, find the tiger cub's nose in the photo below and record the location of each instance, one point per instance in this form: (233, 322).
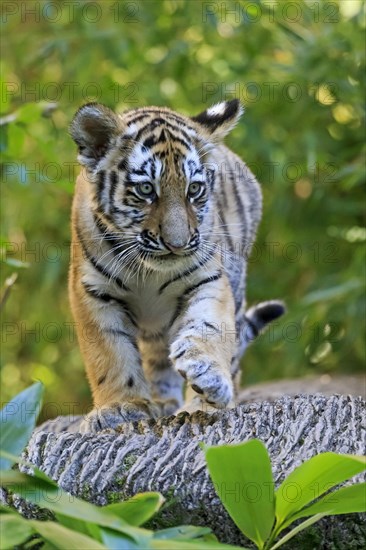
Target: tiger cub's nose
(177, 246)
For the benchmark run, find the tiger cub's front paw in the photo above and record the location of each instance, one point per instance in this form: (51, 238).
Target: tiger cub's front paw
(205, 378)
(118, 413)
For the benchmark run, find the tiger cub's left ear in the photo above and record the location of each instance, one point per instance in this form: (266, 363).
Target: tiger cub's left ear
(217, 121)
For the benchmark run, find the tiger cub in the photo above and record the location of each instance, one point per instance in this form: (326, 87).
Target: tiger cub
(163, 219)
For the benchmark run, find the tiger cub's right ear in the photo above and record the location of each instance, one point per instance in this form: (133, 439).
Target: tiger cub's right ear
(94, 128)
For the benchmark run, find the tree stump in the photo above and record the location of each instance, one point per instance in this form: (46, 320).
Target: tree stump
(165, 456)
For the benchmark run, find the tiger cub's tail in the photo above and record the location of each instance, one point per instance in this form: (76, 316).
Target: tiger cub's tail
(257, 317)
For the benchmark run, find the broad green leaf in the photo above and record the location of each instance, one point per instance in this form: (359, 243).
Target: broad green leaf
(18, 419)
(14, 477)
(347, 500)
(314, 478)
(36, 471)
(43, 494)
(116, 541)
(172, 544)
(138, 509)
(297, 530)
(243, 480)
(182, 532)
(14, 530)
(77, 525)
(65, 538)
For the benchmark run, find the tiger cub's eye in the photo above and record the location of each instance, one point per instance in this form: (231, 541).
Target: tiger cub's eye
(146, 189)
(194, 189)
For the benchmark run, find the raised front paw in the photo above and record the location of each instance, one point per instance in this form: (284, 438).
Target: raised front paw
(119, 413)
(206, 378)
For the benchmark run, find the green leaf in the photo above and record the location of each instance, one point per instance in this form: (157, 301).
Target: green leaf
(116, 541)
(184, 532)
(36, 471)
(138, 509)
(41, 492)
(314, 478)
(347, 500)
(78, 525)
(243, 480)
(14, 530)
(172, 544)
(63, 538)
(18, 419)
(297, 530)
(14, 477)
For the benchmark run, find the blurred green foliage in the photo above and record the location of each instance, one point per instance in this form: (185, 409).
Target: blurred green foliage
(299, 69)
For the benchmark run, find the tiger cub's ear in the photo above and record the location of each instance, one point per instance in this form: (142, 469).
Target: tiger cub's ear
(218, 120)
(93, 129)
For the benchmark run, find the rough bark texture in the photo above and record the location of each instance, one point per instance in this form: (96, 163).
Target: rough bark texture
(165, 456)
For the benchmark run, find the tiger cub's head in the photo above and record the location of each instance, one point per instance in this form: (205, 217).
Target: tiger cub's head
(152, 172)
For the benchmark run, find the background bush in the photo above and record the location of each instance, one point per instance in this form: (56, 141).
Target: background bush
(299, 69)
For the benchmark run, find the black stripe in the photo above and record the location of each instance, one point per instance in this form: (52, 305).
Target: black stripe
(105, 297)
(112, 189)
(173, 116)
(209, 325)
(123, 164)
(201, 298)
(138, 118)
(101, 185)
(126, 211)
(186, 273)
(105, 233)
(223, 189)
(224, 225)
(119, 332)
(211, 179)
(240, 208)
(235, 371)
(101, 269)
(211, 279)
(182, 299)
(160, 121)
(150, 141)
(102, 379)
(171, 130)
(170, 116)
(131, 224)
